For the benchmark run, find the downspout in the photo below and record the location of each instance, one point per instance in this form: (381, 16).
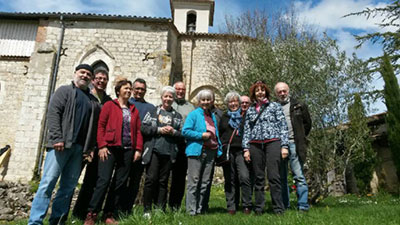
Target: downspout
(43, 135)
(191, 63)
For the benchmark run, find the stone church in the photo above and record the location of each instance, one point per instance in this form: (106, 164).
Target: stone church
(39, 51)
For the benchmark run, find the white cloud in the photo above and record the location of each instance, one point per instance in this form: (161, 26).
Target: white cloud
(328, 14)
(347, 42)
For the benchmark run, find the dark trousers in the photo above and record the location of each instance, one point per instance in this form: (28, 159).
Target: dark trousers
(87, 188)
(157, 174)
(178, 179)
(237, 177)
(119, 159)
(132, 186)
(267, 154)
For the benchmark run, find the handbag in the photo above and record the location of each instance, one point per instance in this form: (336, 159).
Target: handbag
(225, 157)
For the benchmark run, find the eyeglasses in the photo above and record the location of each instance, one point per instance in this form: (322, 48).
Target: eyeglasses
(245, 103)
(140, 89)
(101, 78)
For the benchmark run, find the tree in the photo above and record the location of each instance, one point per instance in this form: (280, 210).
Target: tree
(392, 100)
(389, 37)
(318, 73)
(361, 156)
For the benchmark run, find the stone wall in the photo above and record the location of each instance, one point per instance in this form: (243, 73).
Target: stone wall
(12, 80)
(29, 94)
(130, 50)
(196, 67)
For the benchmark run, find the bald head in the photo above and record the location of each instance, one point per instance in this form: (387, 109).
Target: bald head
(180, 90)
(245, 102)
(282, 91)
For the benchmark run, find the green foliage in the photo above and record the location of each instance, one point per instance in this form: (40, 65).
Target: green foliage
(392, 100)
(358, 145)
(389, 37)
(34, 185)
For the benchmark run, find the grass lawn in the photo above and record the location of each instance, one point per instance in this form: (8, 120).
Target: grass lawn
(349, 209)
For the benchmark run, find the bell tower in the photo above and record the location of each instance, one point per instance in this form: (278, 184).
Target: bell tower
(192, 15)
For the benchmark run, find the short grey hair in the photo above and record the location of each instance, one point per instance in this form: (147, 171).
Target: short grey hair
(232, 95)
(168, 89)
(206, 93)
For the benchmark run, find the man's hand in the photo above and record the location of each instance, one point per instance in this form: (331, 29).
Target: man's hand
(59, 146)
(285, 153)
(103, 153)
(137, 156)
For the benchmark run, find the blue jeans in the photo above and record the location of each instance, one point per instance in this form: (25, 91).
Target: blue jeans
(299, 178)
(67, 164)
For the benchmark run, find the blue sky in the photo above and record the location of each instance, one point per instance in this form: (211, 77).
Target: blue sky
(325, 15)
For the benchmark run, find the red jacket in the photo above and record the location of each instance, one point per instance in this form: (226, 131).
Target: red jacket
(109, 132)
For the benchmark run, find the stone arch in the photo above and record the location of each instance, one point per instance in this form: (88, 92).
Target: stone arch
(218, 94)
(93, 54)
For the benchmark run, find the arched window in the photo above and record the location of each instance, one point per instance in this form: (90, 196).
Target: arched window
(191, 22)
(98, 64)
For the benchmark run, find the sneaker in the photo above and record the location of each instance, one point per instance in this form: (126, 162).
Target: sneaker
(247, 211)
(232, 212)
(147, 215)
(90, 218)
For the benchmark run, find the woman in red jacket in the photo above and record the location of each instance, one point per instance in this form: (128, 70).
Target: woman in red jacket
(120, 142)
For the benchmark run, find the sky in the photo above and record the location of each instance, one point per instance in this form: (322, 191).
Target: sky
(324, 15)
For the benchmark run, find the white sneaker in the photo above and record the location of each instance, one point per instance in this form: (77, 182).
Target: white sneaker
(147, 215)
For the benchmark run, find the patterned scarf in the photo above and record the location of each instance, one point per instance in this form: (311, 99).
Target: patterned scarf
(235, 118)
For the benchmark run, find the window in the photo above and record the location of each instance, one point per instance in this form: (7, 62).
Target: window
(100, 64)
(191, 22)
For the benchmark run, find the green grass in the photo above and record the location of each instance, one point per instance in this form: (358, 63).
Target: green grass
(349, 209)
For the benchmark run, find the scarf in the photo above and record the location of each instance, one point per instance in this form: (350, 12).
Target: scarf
(235, 118)
(259, 104)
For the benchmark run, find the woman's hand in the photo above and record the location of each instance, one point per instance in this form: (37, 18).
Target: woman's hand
(103, 153)
(137, 156)
(167, 130)
(206, 136)
(285, 153)
(246, 155)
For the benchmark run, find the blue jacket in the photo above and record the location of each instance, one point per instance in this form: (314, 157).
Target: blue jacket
(193, 130)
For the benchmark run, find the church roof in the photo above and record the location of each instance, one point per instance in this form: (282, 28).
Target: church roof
(80, 16)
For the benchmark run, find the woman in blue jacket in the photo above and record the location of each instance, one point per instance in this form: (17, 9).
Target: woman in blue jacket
(203, 145)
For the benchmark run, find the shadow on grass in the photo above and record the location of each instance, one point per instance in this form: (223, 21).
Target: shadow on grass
(216, 210)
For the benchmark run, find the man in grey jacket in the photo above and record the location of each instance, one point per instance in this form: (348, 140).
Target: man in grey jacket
(72, 122)
(179, 168)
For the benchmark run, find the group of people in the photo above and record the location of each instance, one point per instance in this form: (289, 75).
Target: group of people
(119, 140)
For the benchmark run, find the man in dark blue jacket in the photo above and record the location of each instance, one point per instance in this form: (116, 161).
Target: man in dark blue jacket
(137, 168)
